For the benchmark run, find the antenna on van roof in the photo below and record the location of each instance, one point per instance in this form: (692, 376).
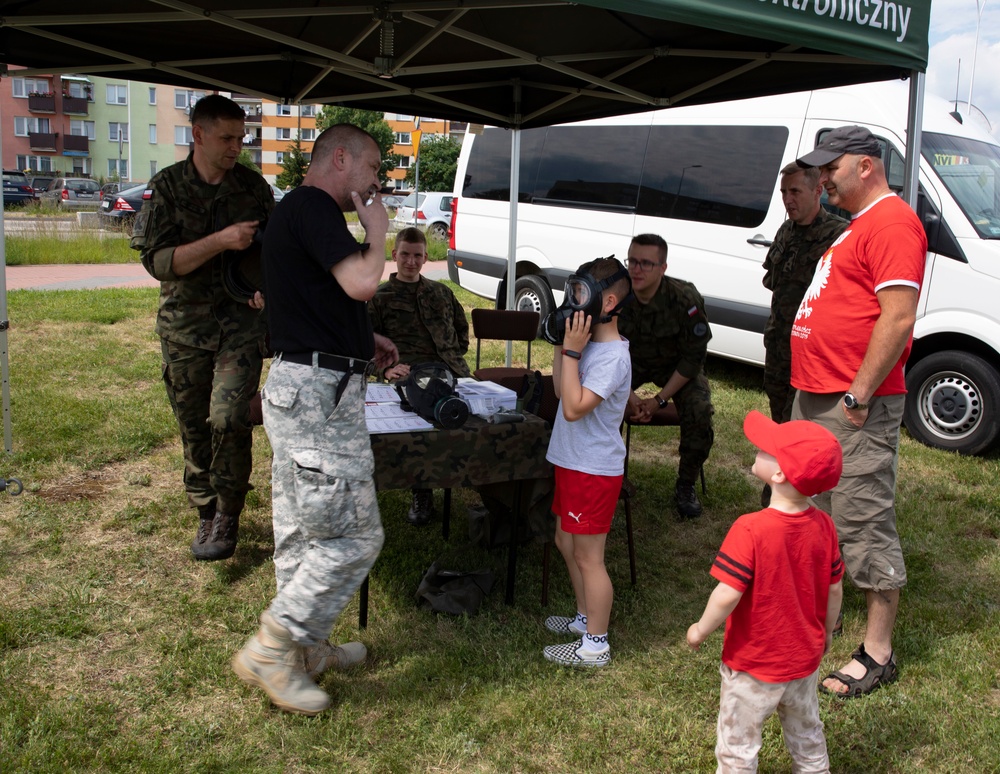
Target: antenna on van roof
(954, 113)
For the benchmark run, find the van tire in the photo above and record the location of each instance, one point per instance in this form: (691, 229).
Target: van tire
(532, 294)
(953, 402)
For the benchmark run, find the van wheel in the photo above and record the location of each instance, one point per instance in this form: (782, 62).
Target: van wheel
(953, 402)
(532, 294)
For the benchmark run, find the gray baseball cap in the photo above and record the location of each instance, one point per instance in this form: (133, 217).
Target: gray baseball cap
(845, 139)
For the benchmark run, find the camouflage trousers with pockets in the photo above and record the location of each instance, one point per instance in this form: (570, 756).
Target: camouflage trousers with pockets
(210, 395)
(327, 527)
(694, 409)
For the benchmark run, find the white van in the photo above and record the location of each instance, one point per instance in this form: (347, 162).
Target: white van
(706, 179)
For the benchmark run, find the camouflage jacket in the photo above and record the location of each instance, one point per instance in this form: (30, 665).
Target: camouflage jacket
(424, 320)
(790, 265)
(195, 309)
(670, 333)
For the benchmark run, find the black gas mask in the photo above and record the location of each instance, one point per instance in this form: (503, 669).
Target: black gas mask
(584, 294)
(429, 391)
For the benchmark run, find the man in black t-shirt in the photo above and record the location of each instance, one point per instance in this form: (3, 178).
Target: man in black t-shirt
(327, 529)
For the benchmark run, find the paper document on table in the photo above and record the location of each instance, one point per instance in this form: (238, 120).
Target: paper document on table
(485, 398)
(381, 393)
(390, 418)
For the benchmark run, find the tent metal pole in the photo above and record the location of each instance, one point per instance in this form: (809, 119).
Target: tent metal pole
(515, 187)
(8, 443)
(914, 130)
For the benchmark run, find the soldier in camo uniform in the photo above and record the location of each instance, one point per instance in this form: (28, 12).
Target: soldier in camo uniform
(213, 345)
(327, 528)
(668, 335)
(426, 323)
(788, 270)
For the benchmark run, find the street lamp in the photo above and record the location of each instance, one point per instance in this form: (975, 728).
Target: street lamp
(972, 78)
(680, 185)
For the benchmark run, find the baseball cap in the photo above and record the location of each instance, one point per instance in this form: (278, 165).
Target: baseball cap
(843, 139)
(809, 455)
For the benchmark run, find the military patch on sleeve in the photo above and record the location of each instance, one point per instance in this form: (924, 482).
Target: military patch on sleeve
(692, 311)
(138, 240)
(700, 329)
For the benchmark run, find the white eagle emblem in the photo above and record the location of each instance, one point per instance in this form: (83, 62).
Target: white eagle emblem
(820, 279)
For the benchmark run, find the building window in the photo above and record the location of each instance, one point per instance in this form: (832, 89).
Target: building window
(308, 111)
(404, 162)
(307, 157)
(184, 99)
(34, 163)
(308, 135)
(182, 135)
(25, 86)
(119, 167)
(152, 167)
(117, 94)
(114, 127)
(78, 90)
(401, 117)
(403, 138)
(284, 110)
(281, 157)
(152, 134)
(24, 126)
(152, 95)
(82, 166)
(82, 128)
(284, 133)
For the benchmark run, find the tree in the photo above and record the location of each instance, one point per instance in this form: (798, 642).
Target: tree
(293, 166)
(372, 122)
(247, 161)
(438, 162)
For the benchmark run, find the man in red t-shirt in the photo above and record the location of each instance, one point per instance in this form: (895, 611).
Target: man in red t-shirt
(850, 339)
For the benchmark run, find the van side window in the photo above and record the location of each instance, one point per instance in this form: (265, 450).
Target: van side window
(487, 175)
(712, 174)
(591, 166)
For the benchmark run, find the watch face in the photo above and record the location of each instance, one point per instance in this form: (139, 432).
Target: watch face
(850, 401)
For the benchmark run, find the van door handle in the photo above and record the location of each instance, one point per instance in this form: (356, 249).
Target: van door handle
(759, 240)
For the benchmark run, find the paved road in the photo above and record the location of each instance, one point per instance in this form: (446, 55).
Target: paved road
(125, 275)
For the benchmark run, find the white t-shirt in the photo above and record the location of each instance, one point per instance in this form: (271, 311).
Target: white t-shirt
(593, 444)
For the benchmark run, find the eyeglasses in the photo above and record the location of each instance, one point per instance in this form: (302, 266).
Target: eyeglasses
(635, 263)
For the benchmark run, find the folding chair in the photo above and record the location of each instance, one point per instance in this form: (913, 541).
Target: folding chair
(503, 325)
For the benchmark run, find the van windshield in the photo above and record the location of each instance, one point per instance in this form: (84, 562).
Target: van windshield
(970, 170)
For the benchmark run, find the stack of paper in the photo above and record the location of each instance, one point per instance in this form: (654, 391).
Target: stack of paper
(486, 398)
(383, 413)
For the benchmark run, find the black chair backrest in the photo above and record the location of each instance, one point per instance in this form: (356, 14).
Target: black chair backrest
(504, 325)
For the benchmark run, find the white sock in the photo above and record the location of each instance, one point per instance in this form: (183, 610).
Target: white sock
(594, 643)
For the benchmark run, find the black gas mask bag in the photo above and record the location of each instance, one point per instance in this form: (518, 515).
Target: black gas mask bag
(429, 391)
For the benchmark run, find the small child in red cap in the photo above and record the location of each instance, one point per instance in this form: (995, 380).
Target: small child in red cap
(780, 587)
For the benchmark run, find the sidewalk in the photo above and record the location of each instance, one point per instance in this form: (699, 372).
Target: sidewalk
(127, 275)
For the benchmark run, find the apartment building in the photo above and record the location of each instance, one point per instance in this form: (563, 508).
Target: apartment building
(404, 126)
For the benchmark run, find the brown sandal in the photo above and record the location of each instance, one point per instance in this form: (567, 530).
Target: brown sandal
(876, 675)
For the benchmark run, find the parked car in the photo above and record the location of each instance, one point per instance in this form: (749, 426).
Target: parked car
(72, 193)
(278, 193)
(392, 202)
(17, 188)
(118, 210)
(39, 183)
(433, 212)
(113, 188)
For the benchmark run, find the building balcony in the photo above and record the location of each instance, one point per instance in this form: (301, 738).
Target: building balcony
(42, 103)
(76, 106)
(76, 142)
(42, 141)
(254, 143)
(254, 114)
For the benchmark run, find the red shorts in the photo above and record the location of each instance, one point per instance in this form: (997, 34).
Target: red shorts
(585, 503)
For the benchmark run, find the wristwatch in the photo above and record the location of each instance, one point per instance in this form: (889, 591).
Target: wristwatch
(851, 403)
(661, 401)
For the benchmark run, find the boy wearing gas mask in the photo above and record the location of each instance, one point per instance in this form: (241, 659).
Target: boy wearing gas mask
(592, 374)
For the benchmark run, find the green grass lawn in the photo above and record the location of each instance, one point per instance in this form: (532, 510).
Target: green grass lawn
(115, 644)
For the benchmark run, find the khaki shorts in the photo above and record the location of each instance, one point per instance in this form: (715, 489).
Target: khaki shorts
(863, 503)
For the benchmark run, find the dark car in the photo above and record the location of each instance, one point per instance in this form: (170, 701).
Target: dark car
(113, 188)
(118, 210)
(72, 193)
(39, 183)
(17, 188)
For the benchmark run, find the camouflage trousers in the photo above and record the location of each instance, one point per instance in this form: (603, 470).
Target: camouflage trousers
(694, 409)
(327, 528)
(745, 703)
(778, 376)
(210, 394)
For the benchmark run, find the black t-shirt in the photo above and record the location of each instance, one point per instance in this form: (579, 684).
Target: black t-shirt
(307, 310)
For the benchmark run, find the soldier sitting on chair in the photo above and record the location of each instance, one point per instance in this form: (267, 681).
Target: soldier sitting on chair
(426, 322)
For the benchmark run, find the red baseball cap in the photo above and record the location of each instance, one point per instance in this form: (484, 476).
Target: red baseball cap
(809, 455)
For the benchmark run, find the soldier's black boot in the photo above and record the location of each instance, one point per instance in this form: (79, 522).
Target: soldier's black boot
(225, 532)
(688, 504)
(422, 508)
(201, 542)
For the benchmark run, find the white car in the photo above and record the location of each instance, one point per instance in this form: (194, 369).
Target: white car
(433, 213)
(277, 192)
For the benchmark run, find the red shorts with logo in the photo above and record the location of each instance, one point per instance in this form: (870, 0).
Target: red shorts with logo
(585, 503)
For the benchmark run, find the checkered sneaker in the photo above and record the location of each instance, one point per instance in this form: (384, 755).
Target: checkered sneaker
(561, 624)
(568, 655)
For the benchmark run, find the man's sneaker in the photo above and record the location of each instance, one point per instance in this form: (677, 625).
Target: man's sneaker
(422, 508)
(570, 655)
(688, 504)
(200, 544)
(324, 656)
(561, 624)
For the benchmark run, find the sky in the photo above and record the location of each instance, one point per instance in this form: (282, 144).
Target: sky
(953, 38)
